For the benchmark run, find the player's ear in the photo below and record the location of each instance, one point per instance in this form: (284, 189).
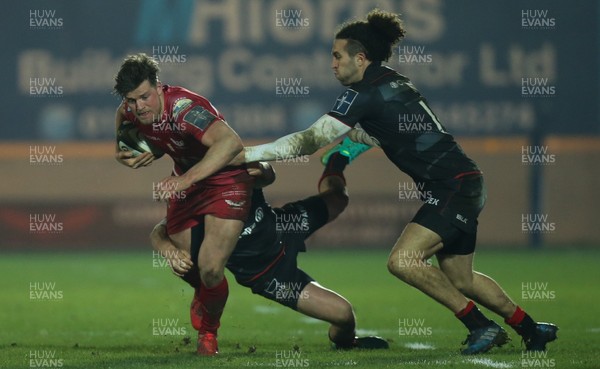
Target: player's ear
(159, 87)
(360, 58)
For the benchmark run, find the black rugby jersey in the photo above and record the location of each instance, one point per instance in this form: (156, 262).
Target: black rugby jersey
(390, 109)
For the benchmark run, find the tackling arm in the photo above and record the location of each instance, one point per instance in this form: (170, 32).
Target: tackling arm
(179, 260)
(160, 239)
(361, 136)
(321, 133)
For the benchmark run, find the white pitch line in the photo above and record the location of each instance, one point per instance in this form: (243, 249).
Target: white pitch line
(419, 346)
(310, 320)
(436, 363)
(265, 309)
(367, 332)
(490, 363)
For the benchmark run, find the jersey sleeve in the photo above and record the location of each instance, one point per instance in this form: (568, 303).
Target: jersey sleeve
(198, 118)
(350, 107)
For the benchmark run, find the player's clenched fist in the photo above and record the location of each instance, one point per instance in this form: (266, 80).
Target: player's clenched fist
(128, 159)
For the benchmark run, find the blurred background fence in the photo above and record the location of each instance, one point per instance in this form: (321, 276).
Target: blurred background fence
(516, 82)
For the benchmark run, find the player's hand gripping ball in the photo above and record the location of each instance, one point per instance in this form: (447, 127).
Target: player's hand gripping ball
(129, 138)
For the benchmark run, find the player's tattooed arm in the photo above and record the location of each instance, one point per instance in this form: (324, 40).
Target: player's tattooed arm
(361, 136)
(324, 131)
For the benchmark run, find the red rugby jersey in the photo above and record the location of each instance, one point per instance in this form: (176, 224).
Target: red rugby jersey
(186, 117)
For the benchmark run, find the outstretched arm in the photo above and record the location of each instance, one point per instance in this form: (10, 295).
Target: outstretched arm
(361, 136)
(321, 133)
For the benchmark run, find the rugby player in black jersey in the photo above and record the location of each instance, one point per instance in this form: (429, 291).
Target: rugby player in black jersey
(265, 257)
(381, 100)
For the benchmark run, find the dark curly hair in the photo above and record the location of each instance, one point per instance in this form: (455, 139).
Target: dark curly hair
(375, 37)
(135, 70)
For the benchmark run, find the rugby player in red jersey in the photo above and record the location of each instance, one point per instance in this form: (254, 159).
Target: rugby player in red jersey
(265, 258)
(382, 100)
(203, 188)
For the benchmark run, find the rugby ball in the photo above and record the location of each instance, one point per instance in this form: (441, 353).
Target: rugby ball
(129, 138)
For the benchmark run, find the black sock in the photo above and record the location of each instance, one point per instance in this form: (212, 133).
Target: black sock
(335, 167)
(472, 317)
(522, 323)
(344, 343)
(336, 163)
(527, 327)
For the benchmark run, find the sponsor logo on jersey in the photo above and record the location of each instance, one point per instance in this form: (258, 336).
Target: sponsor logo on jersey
(248, 230)
(153, 138)
(258, 215)
(432, 201)
(178, 143)
(199, 117)
(179, 105)
(344, 102)
(286, 291)
(235, 204)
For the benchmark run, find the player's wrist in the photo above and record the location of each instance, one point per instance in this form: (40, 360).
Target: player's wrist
(186, 181)
(166, 249)
(253, 153)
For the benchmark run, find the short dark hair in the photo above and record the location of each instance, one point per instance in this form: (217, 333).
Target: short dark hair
(135, 70)
(374, 36)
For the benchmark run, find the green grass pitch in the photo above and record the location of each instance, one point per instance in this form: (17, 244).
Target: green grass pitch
(111, 310)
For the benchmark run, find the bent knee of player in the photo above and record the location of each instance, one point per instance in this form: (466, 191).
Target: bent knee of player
(393, 266)
(211, 273)
(402, 264)
(343, 315)
(346, 314)
(337, 203)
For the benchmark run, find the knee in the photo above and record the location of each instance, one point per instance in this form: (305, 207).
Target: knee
(345, 315)
(393, 266)
(398, 265)
(337, 203)
(211, 274)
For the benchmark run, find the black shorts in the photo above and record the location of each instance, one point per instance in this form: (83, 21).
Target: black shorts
(451, 209)
(267, 262)
(281, 280)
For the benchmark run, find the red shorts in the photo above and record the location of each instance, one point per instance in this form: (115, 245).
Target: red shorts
(231, 200)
